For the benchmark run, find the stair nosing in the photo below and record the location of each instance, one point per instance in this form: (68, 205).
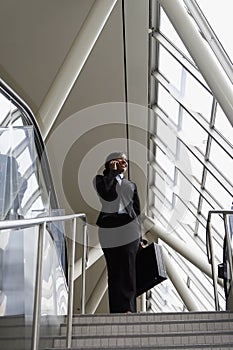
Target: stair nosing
(163, 322)
(159, 334)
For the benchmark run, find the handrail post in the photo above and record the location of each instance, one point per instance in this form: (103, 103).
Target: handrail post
(229, 248)
(84, 261)
(37, 295)
(212, 260)
(71, 287)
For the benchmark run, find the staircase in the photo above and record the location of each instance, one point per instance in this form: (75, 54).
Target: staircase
(208, 330)
(165, 331)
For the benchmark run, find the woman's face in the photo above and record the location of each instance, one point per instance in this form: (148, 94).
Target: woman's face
(122, 163)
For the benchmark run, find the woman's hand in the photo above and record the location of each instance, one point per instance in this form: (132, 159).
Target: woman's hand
(113, 164)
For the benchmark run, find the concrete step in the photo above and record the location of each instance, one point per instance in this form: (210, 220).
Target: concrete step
(15, 331)
(151, 317)
(23, 343)
(12, 320)
(23, 320)
(149, 327)
(25, 331)
(15, 344)
(170, 331)
(193, 330)
(157, 340)
(183, 347)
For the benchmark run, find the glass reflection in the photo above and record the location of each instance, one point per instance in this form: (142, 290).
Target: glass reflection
(24, 194)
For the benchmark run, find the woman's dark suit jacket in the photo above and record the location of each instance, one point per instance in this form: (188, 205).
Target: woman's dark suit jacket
(111, 193)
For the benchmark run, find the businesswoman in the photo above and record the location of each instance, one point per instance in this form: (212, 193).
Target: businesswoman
(119, 231)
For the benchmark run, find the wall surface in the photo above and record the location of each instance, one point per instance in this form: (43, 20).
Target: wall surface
(92, 122)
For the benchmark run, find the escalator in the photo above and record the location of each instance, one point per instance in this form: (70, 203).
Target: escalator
(27, 192)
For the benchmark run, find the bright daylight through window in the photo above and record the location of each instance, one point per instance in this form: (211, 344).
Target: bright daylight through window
(192, 142)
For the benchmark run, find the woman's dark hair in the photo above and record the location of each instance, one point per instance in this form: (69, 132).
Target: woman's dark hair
(110, 157)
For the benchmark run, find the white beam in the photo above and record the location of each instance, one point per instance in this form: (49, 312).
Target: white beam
(195, 256)
(73, 63)
(180, 285)
(202, 54)
(97, 294)
(94, 255)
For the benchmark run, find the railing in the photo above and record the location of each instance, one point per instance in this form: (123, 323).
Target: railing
(210, 250)
(42, 222)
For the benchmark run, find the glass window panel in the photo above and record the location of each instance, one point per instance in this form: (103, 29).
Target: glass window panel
(32, 186)
(194, 197)
(24, 160)
(219, 17)
(164, 191)
(189, 219)
(166, 135)
(223, 125)
(157, 213)
(5, 106)
(18, 135)
(194, 133)
(218, 228)
(168, 104)
(217, 238)
(159, 200)
(170, 68)
(184, 188)
(169, 193)
(159, 196)
(222, 160)
(160, 183)
(37, 208)
(218, 192)
(4, 142)
(18, 122)
(201, 232)
(205, 208)
(165, 163)
(168, 30)
(196, 97)
(182, 214)
(191, 165)
(188, 163)
(183, 232)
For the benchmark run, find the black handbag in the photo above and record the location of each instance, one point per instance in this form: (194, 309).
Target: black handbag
(150, 267)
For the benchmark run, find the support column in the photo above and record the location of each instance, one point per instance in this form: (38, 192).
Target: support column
(180, 285)
(73, 64)
(202, 54)
(98, 293)
(195, 256)
(94, 254)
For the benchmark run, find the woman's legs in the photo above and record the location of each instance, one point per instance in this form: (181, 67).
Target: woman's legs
(121, 265)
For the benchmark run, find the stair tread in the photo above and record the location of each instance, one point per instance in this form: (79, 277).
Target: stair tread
(175, 347)
(158, 334)
(128, 335)
(162, 340)
(151, 317)
(145, 331)
(149, 322)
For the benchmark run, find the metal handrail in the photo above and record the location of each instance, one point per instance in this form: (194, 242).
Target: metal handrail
(42, 221)
(210, 249)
